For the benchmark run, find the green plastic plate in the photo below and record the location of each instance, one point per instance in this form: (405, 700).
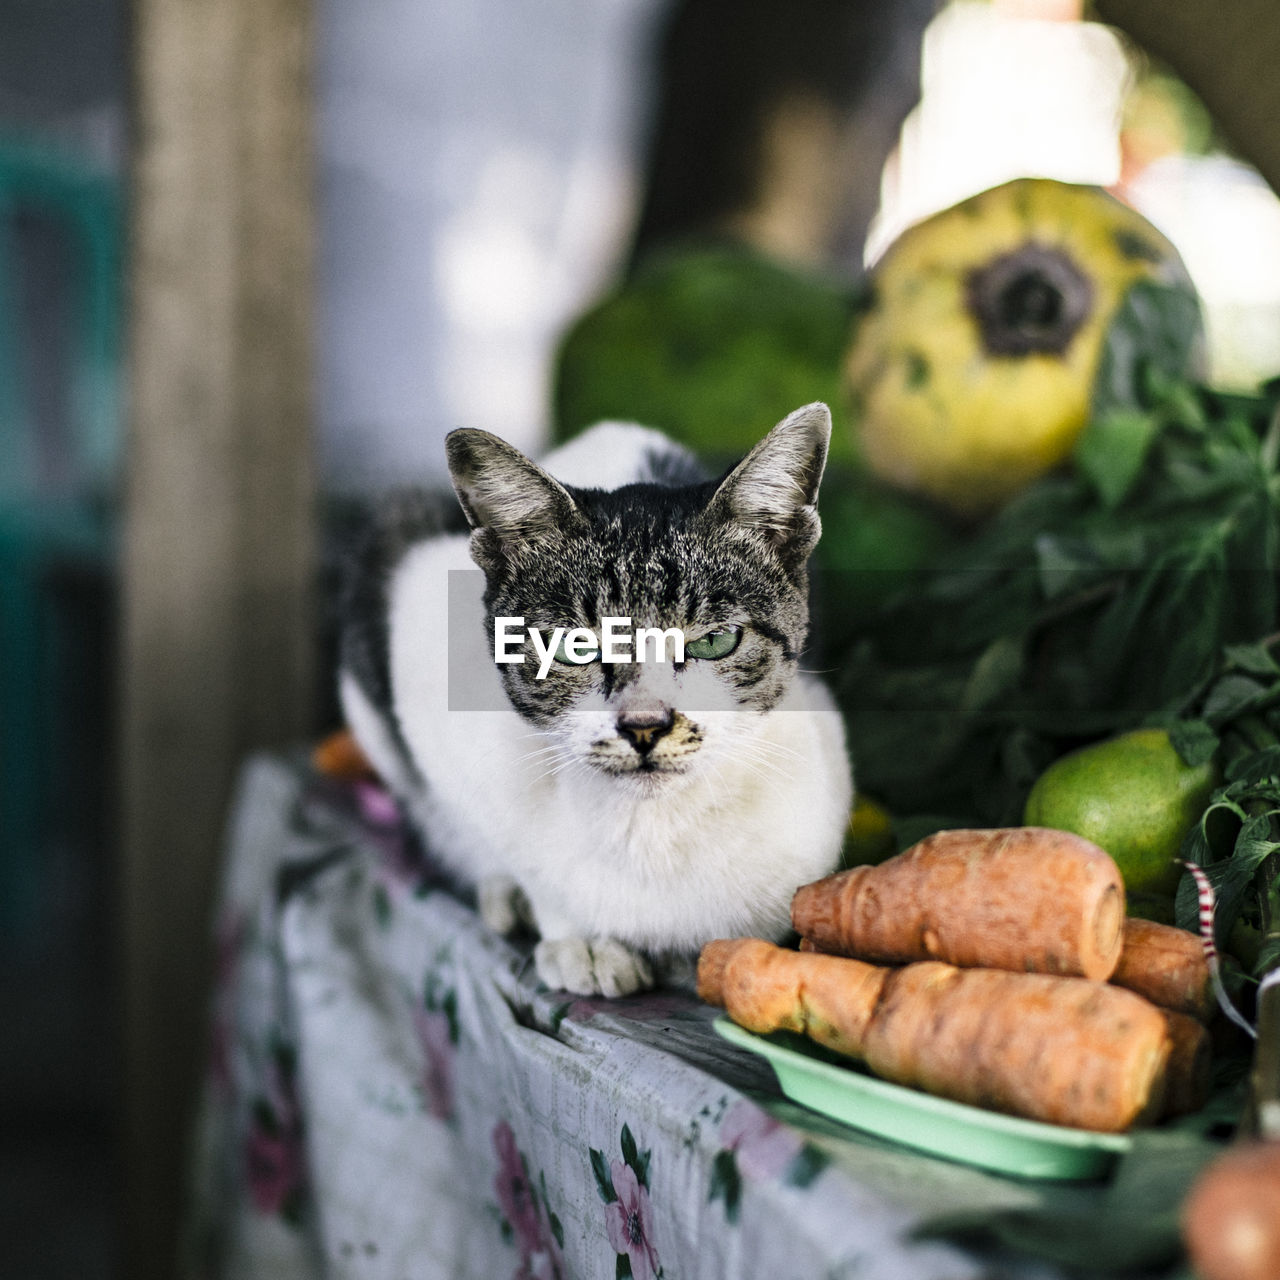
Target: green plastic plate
(953, 1130)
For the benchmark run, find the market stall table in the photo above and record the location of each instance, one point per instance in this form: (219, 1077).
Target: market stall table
(391, 1093)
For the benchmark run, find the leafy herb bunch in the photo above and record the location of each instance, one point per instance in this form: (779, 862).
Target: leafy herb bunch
(1136, 588)
(1237, 841)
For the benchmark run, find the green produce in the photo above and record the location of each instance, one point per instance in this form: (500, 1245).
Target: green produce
(875, 543)
(1235, 719)
(1095, 602)
(973, 369)
(1141, 590)
(1133, 795)
(711, 345)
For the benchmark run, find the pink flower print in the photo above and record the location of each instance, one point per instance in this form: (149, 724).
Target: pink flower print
(763, 1146)
(545, 1264)
(399, 865)
(548, 1263)
(516, 1196)
(536, 1230)
(436, 1036)
(274, 1161)
(376, 804)
(628, 1221)
(274, 1148)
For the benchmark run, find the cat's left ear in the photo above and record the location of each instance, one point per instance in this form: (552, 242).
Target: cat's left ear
(774, 489)
(506, 498)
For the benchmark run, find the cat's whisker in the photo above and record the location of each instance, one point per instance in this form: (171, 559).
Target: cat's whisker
(773, 779)
(571, 762)
(719, 805)
(764, 753)
(767, 746)
(541, 752)
(770, 780)
(550, 770)
(502, 744)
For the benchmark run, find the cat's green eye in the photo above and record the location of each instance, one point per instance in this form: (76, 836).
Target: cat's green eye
(577, 648)
(715, 644)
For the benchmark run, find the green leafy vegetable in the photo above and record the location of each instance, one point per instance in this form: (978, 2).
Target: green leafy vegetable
(1139, 588)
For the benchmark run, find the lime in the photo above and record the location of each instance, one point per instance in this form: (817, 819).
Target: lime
(1134, 796)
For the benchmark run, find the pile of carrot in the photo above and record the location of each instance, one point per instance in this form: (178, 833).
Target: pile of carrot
(1016, 983)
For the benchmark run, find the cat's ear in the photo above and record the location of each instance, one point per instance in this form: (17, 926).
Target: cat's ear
(774, 489)
(506, 498)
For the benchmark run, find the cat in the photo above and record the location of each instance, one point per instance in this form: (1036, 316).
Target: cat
(629, 811)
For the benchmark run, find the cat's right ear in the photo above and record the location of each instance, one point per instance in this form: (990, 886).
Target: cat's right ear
(506, 498)
(773, 491)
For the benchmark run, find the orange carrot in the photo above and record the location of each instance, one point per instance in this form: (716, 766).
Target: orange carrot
(759, 984)
(339, 755)
(1029, 899)
(1166, 965)
(1188, 1077)
(1064, 1050)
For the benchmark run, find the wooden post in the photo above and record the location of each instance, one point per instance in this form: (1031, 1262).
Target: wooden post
(217, 624)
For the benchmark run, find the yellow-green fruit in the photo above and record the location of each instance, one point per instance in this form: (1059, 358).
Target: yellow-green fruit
(1134, 796)
(973, 369)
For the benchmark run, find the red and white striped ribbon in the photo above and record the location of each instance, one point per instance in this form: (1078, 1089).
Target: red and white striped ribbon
(1205, 904)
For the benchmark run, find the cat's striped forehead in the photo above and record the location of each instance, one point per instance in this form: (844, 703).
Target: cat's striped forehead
(654, 555)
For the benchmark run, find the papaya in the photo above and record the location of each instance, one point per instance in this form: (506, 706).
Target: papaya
(972, 370)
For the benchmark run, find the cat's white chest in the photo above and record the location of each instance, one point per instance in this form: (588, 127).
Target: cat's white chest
(716, 858)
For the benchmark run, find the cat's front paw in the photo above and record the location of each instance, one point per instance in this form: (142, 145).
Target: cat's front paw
(503, 905)
(596, 967)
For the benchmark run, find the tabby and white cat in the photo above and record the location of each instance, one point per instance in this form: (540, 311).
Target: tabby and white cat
(630, 811)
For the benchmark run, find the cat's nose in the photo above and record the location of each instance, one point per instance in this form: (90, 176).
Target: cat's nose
(644, 732)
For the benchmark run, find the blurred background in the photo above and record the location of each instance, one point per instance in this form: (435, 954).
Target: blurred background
(468, 177)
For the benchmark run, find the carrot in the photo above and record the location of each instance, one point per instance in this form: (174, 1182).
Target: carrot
(339, 755)
(1231, 1218)
(1166, 965)
(1188, 1077)
(1059, 1049)
(1023, 898)
(759, 988)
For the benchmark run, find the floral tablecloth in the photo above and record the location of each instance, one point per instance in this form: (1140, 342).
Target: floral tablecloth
(392, 1095)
